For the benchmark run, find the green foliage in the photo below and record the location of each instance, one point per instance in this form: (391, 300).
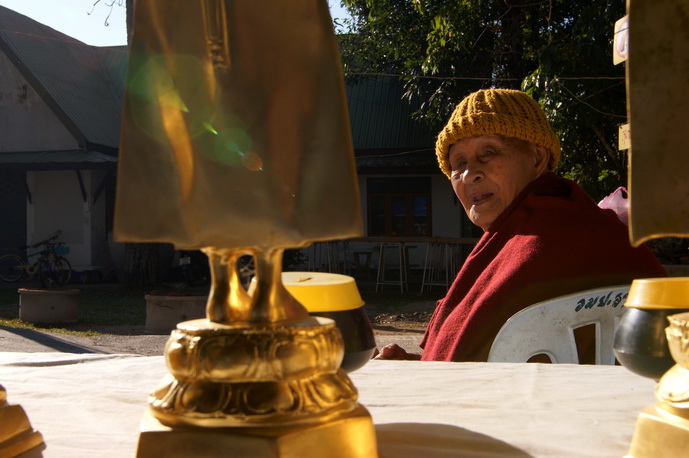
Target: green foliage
(559, 51)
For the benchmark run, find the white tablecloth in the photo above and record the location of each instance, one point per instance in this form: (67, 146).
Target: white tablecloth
(90, 405)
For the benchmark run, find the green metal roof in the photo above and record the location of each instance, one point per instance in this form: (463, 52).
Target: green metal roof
(386, 137)
(381, 119)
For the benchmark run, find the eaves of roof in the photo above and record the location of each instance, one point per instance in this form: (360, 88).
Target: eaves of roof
(396, 163)
(56, 160)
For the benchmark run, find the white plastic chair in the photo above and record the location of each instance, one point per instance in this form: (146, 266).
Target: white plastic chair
(548, 327)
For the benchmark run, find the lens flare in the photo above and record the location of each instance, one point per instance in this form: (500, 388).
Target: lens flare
(154, 94)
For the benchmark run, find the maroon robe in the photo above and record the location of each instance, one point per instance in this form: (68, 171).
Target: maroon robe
(552, 240)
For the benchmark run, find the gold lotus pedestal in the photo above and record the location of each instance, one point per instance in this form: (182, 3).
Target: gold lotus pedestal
(256, 391)
(265, 383)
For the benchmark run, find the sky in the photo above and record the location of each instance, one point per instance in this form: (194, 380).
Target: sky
(81, 20)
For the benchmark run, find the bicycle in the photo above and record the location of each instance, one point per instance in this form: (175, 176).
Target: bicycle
(51, 265)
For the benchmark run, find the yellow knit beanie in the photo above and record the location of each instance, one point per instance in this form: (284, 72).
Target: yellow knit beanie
(503, 112)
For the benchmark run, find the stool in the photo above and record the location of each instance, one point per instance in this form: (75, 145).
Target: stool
(362, 263)
(328, 257)
(439, 266)
(388, 250)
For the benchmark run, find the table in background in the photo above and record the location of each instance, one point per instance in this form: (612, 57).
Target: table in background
(90, 405)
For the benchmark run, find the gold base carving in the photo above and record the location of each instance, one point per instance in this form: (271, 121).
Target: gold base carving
(348, 435)
(16, 434)
(224, 376)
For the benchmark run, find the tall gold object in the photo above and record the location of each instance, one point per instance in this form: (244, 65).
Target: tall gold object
(16, 434)
(657, 105)
(235, 140)
(235, 130)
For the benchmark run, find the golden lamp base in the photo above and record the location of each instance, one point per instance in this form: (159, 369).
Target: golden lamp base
(350, 435)
(16, 434)
(662, 429)
(659, 434)
(258, 378)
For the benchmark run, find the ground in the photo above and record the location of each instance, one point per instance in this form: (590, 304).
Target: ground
(395, 317)
(409, 317)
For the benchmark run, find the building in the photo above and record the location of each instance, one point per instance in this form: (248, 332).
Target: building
(59, 125)
(60, 108)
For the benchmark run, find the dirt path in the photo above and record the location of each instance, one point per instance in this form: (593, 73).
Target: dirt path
(405, 327)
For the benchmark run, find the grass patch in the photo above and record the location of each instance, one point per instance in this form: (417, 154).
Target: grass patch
(17, 323)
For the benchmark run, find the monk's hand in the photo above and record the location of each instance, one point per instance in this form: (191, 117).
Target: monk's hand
(391, 351)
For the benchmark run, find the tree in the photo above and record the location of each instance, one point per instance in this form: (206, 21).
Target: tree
(109, 5)
(558, 51)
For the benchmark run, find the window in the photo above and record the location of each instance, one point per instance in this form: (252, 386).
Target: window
(399, 206)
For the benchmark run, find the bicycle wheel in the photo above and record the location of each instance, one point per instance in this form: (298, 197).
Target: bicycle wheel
(62, 270)
(45, 273)
(11, 267)
(247, 270)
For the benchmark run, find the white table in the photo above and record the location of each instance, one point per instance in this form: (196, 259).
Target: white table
(90, 405)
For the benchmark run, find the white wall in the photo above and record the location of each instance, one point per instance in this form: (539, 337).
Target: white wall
(57, 203)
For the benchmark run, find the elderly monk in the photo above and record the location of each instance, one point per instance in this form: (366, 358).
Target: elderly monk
(543, 235)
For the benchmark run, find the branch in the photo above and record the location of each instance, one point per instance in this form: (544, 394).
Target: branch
(599, 133)
(110, 4)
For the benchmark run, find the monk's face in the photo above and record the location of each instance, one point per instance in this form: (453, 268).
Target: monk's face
(489, 171)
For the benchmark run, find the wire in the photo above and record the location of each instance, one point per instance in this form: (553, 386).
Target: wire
(402, 153)
(477, 78)
(580, 100)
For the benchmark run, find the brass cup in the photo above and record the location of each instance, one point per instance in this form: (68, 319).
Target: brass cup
(640, 343)
(336, 297)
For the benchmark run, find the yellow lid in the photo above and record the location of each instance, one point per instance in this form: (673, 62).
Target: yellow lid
(659, 293)
(323, 292)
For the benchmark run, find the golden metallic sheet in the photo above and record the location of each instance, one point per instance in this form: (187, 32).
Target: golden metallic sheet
(658, 106)
(235, 129)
